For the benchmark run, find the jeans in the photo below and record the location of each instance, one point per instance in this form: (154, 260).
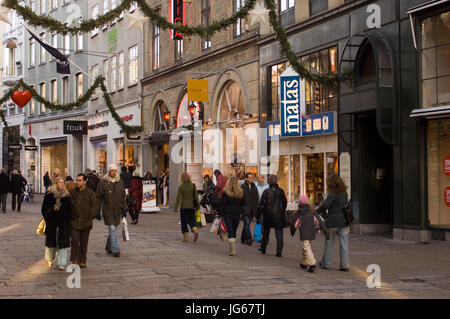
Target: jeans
(165, 195)
(61, 260)
(4, 196)
(232, 223)
(112, 243)
(343, 235)
(16, 197)
(246, 233)
(79, 245)
(278, 236)
(187, 217)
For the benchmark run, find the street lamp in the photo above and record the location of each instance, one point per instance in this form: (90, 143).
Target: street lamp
(166, 115)
(191, 109)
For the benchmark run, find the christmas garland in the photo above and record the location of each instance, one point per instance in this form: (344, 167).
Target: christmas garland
(99, 82)
(200, 30)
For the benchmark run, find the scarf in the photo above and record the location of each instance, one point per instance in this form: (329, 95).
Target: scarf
(58, 194)
(110, 179)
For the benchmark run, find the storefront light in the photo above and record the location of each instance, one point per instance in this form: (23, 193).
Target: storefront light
(166, 115)
(191, 109)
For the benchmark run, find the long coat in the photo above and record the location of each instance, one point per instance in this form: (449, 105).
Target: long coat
(4, 183)
(111, 195)
(335, 203)
(136, 191)
(251, 200)
(273, 207)
(84, 207)
(186, 195)
(56, 220)
(17, 184)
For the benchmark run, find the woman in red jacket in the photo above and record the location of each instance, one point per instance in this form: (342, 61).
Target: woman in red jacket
(135, 197)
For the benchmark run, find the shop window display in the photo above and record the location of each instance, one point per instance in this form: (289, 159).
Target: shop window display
(129, 154)
(53, 157)
(101, 157)
(314, 177)
(295, 191)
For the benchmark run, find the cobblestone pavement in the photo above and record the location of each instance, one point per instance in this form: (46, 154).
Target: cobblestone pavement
(156, 264)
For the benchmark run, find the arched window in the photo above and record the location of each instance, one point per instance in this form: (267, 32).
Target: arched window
(366, 64)
(159, 124)
(231, 103)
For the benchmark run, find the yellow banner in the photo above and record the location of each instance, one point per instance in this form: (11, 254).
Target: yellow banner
(198, 90)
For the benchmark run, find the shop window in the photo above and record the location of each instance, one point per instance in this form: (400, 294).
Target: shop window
(314, 177)
(319, 98)
(127, 151)
(435, 60)
(100, 157)
(53, 157)
(295, 190)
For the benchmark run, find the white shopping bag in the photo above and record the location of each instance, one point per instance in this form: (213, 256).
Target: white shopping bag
(215, 226)
(125, 234)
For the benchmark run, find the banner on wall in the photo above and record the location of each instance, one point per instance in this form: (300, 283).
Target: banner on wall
(292, 101)
(149, 197)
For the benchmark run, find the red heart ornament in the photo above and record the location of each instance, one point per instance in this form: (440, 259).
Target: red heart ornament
(21, 98)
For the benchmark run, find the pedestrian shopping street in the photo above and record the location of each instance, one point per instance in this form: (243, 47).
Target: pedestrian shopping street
(156, 264)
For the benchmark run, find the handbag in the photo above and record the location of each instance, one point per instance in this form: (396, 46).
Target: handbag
(257, 232)
(348, 214)
(40, 230)
(198, 219)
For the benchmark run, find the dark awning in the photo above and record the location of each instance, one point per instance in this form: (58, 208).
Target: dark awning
(161, 137)
(425, 6)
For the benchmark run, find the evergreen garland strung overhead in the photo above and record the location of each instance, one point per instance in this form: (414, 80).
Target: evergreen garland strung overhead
(200, 30)
(99, 82)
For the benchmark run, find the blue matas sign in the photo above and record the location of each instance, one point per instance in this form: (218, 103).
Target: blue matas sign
(318, 124)
(290, 105)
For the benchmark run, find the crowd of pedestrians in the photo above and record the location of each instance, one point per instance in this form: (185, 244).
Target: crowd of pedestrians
(14, 184)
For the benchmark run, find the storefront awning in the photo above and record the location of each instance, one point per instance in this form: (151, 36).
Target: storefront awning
(161, 137)
(431, 111)
(53, 141)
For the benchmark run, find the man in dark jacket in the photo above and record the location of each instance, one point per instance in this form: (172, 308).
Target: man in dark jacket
(84, 208)
(47, 181)
(250, 209)
(111, 195)
(17, 186)
(125, 176)
(4, 188)
(273, 207)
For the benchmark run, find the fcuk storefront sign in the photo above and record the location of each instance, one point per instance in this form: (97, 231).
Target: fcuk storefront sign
(291, 102)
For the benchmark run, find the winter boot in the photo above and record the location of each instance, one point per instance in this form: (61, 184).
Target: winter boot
(185, 237)
(232, 243)
(195, 231)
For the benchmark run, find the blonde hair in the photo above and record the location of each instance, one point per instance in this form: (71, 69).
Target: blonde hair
(54, 187)
(233, 189)
(185, 178)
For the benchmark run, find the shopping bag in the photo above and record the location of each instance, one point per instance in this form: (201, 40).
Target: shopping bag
(203, 219)
(223, 230)
(215, 226)
(257, 232)
(40, 230)
(125, 234)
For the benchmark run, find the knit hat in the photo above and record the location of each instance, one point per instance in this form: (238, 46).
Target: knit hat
(111, 167)
(302, 199)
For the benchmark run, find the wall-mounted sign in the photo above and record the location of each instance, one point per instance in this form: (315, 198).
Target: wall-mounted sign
(14, 147)
(273, 129)
(75, 127)
(197, 90)
(290, 103)
(127, 118)
(447, 166)
(98, 125)
(318, 124)
(178, 16)
(133, 139)
(30, 148)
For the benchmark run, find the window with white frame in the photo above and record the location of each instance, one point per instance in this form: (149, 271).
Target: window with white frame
(32, 59)
(42, 91)
(155, 46)
(239, 26)
(32, 108)
(67, 44)
(54, 89)
(113, 73)
(65, 89)
(133, 64)
(53, 4)
(94, 15)
(54, 42)
(43, 6)
(121, 70)
(287, 12)
(105, 73)
(43, 58)
(79, 85)
(79, 41)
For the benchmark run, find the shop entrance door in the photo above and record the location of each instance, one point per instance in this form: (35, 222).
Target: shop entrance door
(375, 173)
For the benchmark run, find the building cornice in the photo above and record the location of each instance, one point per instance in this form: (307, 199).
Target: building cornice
(57, 116)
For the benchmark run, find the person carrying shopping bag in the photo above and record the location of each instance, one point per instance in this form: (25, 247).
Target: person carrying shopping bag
(307, 221)
(335, 203)
(187, 201)
(232, 207)
(57, 214)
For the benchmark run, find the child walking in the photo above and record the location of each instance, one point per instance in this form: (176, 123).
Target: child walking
(306, 221)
